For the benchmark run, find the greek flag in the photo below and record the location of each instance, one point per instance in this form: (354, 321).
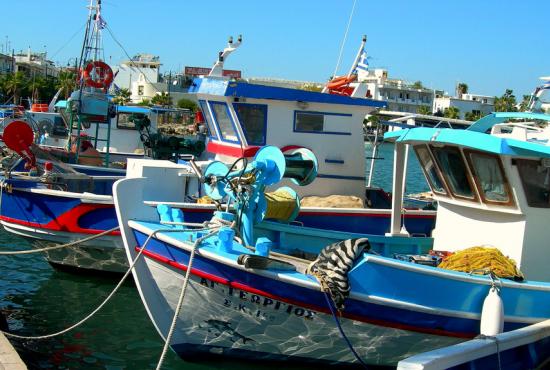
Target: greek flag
(101, 24)
(363, 64)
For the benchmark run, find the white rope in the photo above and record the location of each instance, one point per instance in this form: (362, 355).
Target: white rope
(344, 40)
(45, 249)
(182, 295)
(102, 303)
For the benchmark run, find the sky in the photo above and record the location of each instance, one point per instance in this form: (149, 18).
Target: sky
(491, 45)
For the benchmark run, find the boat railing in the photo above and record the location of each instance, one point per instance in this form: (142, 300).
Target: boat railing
(477, 349)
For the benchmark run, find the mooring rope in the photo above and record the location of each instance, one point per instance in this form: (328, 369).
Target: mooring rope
(102, 303)
(182, 296)
(45, 249)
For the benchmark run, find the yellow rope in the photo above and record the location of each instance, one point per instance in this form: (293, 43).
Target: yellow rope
(482, 258)
(280, 205)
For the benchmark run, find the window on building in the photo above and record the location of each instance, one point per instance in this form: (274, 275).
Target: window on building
(141, 89)
(224, 122)
(253, 119)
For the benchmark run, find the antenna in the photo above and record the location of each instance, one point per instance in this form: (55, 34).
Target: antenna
(217, 69)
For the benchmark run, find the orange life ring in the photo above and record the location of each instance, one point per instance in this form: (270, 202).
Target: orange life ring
(338, 82)
(104, 72)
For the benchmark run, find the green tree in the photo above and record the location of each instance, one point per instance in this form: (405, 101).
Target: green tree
(472, 116)
(451, 112)
(15, 84)
(122, 96)
(162, 99)
(311, 87)
(66, 81)
(506, 103)
(187, 104)
(145, 103)
(417, 85)
(424, 109)
(524, 105)
(461, 89)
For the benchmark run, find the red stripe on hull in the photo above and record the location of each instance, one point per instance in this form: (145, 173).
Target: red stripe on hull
(66, 222)
(232, 151)
(326, 310)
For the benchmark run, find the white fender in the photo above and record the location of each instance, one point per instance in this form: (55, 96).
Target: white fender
(492, 314)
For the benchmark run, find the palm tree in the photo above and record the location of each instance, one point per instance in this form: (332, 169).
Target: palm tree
(451, 112)
(424, 109)
(461, 89)
(38, 87)
(122, 96)
(15, 84)
(506, 103)
(162, 99)
(66, 81)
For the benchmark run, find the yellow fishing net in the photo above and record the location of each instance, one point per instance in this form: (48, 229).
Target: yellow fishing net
(281, 205)
(205, 200)
(477, 259)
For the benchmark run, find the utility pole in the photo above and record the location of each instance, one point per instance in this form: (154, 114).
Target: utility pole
(169, 83)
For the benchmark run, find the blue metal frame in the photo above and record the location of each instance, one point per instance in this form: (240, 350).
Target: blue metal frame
(320, 132)
(209, 120)
(265, 109)
(221, 138)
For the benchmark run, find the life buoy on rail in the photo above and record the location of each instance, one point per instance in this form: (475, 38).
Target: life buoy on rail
(103, 76)
(338, 82)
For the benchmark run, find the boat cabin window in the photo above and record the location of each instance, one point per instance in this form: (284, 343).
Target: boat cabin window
(309, 122)
(535, 178)
(224, 122)
(123, 121)
(322, 122)
(253, 119)
(430, 170)
(209, 125)
(455, 172)
(489, 176)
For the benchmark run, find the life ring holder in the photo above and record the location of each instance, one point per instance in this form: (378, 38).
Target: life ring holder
(338, 82)
(106, 73)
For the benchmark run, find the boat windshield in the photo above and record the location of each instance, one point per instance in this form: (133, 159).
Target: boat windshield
(455, 172)
(535, 178)
(489, 177)
(430, 171)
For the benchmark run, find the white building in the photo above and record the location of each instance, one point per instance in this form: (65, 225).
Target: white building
(6, 64)
(480, 105)
(35, 64)
(142, 68)
(400, 95)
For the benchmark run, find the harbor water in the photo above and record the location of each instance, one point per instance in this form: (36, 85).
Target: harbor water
(38, 299)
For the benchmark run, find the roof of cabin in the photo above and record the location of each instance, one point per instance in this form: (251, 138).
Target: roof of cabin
(241, 89)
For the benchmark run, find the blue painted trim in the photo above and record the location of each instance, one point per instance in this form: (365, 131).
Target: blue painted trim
(337, 161)
(129, 109)
(355, 178)
(205, 85)
(470, 139)
(228, 111)
(265, 109)
(209, 120)
(296, 112)
(485, 123)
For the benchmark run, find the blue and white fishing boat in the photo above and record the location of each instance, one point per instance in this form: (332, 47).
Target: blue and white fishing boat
(239, 291)
(241, 117)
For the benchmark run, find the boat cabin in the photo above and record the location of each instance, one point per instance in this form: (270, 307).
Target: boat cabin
(492, 189)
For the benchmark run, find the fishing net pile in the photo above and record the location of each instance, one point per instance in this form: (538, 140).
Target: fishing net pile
(482, 259)
(332, 201)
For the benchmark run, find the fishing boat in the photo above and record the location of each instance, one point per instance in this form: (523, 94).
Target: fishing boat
(226, 288)
(240, 117)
